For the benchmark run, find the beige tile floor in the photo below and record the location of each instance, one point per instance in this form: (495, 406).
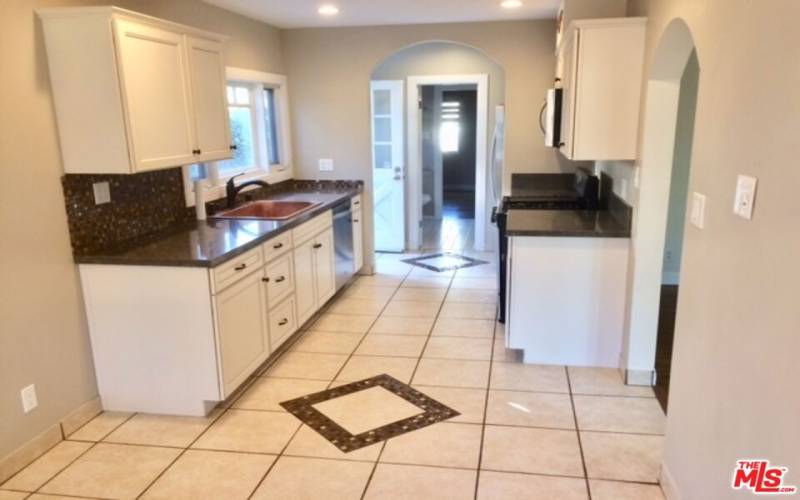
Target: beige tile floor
(534, 432)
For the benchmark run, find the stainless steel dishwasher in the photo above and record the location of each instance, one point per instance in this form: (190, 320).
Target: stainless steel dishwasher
(343, 242)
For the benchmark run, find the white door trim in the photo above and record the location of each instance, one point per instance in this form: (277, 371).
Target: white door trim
(414, 153)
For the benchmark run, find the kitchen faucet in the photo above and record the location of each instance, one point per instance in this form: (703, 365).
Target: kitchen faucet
(231, 189)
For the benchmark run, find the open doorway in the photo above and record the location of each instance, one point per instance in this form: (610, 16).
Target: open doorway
(676, 220)
(654, 304)
(448, 154)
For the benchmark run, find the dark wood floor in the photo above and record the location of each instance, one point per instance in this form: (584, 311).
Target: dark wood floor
(458, 204)
(666, 335)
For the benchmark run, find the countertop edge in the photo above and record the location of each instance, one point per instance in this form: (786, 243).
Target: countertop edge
(120, 260)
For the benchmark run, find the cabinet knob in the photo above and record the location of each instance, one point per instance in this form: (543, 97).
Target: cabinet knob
(283, 322)
(277, 246)
(233, 147)
(196, 151)
(317, 245)
(280, 278)
(240, 267)
(357, 203)
(265, 279)
(355, 220)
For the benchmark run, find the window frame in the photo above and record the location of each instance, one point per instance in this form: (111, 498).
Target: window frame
(258, 81)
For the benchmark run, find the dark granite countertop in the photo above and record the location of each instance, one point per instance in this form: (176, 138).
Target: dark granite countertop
(210, 243)
(575, 223)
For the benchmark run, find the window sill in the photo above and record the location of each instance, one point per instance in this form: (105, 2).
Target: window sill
(216, 192)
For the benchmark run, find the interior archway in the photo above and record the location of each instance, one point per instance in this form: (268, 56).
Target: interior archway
(448, 60)
(649, 226)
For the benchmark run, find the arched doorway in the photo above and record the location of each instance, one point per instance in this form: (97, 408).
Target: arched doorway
(411, 170)
(659, 223)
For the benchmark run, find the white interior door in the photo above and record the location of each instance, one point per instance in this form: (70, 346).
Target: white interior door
(388, 169)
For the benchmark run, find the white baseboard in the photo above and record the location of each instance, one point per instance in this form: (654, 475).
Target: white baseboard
(41, 444)
(640, 377)
(670, 278)
(30, 451)
(81, 416)
(668, 484)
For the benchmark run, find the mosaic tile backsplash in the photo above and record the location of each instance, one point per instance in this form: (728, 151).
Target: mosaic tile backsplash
(145, 204)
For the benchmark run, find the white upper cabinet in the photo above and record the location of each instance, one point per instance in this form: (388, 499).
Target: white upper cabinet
(603, 61)
(153, 77)
(134, 93)
(207, 75)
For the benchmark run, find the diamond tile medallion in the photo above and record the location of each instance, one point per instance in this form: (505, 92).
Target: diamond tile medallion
(345, 415)
(446, 261)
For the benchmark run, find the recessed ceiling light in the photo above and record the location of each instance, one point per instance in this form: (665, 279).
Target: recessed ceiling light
(328, 10)
(511, 4)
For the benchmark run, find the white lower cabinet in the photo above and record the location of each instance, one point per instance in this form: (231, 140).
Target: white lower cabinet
(177, 340)
(315, 266)
(242, 330)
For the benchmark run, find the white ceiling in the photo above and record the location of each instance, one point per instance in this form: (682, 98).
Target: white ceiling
(303, 13)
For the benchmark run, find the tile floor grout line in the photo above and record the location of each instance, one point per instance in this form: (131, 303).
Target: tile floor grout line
(93, 445)
(383, 445)
(416, 365)
(578, 433)
(223, 411)
(486, 405)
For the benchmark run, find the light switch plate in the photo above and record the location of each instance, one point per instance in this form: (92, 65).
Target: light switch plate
(326, 165)
(745, 196)
(102, 193)
(29, 399)
(697, 216)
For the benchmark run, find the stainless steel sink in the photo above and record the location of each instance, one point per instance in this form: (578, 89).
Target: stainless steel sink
(268, 210)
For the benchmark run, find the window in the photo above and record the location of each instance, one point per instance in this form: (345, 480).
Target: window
(259, 123)
(450, 128)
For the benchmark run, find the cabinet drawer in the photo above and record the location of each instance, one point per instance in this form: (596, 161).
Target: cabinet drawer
(280, 279)
(277, 245)
(282, 323)
(312, 227)
(236, 268)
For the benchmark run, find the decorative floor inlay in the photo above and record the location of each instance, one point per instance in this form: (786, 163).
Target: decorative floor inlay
(308, 410)
(445, 261)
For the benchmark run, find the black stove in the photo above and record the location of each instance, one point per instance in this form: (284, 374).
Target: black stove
(541, 192)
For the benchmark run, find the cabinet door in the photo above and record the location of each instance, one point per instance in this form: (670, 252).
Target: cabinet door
(242, 330)
(324, 266)
(568, 102)
(305, 291)
(155, 90)
(358, 241)
(207, 77)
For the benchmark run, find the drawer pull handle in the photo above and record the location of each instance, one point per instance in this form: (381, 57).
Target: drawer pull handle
(240, 267)
(317, 245)
(197, 151)
(277, 246)
(283, 322)
(356, 203)
(355, 220)
(280, 278)
(265, 279)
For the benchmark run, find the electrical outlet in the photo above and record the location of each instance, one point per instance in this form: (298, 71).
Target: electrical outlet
(102, 193)
(29, 399)
(745, 196)
(326, 165)
(697, 215)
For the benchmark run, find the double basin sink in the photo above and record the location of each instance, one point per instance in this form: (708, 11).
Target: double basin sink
(267, 210)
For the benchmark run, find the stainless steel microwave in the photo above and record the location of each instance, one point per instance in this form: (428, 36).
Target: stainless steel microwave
(550, 118)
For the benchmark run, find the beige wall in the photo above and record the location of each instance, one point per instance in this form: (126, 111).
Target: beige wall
(43, 334)
(735, 372)
(329, 73)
